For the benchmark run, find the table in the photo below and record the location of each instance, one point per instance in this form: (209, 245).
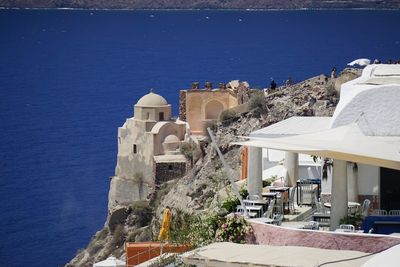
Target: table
(270, 195)
(309, 181)
(253, 209)
(284, 190)
(259, 202)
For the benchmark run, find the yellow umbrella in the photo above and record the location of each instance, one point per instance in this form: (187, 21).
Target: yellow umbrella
(164, 231)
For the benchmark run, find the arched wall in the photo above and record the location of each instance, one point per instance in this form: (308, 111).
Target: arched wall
(213, 109)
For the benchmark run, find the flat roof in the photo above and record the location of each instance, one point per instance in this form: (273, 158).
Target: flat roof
(294, 126)
(231, 254)
(169, 158)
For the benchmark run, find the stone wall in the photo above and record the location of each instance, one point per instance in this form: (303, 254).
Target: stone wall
(169, 170)
(279, 236)
(182, 105)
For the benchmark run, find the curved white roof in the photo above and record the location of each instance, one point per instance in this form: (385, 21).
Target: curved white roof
(372, 101)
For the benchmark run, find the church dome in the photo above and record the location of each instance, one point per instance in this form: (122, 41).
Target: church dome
(152, 100)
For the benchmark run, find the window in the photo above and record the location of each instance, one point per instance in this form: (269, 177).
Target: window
(161, 116)
(170, 168)
(147, 116)
(134, 149)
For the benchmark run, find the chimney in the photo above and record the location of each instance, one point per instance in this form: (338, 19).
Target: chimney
(195, 85)
(221, 86)
(208, 86)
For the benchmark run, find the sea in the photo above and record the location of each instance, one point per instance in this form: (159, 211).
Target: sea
(69, 78)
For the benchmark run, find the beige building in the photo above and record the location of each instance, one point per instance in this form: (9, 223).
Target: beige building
(148, 151)
(197, 106)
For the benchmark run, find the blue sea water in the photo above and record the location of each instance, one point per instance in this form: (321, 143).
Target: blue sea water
(68, 79)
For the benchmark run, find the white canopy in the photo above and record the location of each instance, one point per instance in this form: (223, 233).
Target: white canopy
(387, 258)
(110, 262)
(230, 254)
(344, 143)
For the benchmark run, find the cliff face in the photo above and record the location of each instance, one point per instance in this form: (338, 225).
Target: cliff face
(200, 190)
(200, 4)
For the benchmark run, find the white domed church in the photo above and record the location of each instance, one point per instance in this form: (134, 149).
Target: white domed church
(148, 151)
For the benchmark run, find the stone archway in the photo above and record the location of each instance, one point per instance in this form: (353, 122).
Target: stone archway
(213, 109)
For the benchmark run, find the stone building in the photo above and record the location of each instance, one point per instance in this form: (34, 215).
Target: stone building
(198, 106)
(148, 151)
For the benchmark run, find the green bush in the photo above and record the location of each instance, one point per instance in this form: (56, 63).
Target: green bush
(233, 228)
(212, 125)
(144, 212)
(230, 204)
(228, 115)
(355, 220)
(257, 103)
(189, 150)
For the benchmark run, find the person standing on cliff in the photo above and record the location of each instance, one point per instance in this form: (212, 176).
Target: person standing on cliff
(273, 84)
(333, 73)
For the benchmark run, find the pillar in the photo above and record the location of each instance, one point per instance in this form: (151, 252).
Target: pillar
(254, 171)
(352, 183)
(292, 166)
(339, 193)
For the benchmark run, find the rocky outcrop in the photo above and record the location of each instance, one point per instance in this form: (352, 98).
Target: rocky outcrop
(199, 191)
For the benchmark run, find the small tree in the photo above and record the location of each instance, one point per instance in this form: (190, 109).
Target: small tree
(228, 116)
(189, 150)
(257, 103)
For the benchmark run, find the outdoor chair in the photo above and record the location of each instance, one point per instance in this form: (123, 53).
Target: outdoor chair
(347, 227)
(291, 199)
(307, 193)
(277, 219)
(320, 207)
(311, 225)
(248, 203)
(394, 212)
(253, 197)
(279, 204)
(270, 209)
(365, 208)
(240, 211)
(379, 212)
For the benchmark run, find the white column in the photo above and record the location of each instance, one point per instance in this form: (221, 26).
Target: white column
(339, 193)
(352, 184)
(292, 166)
(254, 171)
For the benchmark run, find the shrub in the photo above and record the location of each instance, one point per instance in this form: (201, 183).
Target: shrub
(119, 236)
(228, 115)
(355, 220)
(257, 103)
(230, 204)
(143, 211)
(189, 150)
(210, 124)
(233, 228)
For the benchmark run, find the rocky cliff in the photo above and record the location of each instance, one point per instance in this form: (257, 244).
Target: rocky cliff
(201, 4)
(200, 190)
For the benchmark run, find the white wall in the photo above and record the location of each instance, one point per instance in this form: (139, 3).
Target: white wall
(368, 179)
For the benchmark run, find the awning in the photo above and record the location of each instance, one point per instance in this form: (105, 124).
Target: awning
(343, 143)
